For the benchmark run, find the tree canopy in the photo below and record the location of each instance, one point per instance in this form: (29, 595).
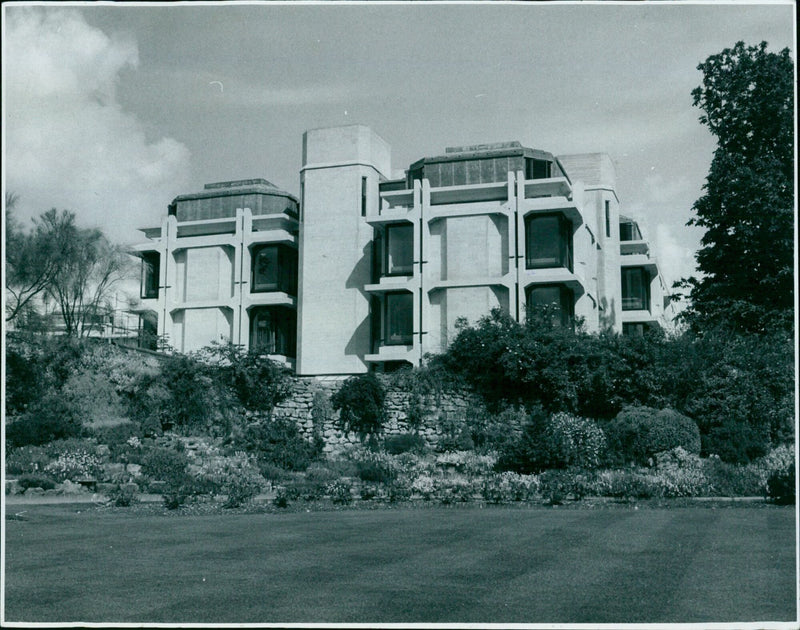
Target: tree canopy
(746, 257)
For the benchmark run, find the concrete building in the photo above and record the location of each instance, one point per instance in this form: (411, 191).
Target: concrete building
(223, 267)
(375, 271)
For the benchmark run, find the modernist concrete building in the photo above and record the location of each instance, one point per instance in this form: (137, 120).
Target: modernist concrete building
(387, 265)
(223, 267)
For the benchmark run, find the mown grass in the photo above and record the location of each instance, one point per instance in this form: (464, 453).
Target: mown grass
(481, 565)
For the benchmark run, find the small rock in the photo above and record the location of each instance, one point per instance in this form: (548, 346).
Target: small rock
(70, 487)
(34, 492)
(134, 469)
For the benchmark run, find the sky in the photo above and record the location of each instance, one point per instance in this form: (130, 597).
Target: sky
(112, 110)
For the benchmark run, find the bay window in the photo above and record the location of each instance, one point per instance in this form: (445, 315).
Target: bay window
(548, 242)
(635, 289)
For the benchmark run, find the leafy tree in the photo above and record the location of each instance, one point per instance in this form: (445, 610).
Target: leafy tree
(33, 259)
(747, 209)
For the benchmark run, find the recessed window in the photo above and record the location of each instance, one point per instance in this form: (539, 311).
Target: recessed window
(537, 169)
(399, 318)
(399, 250)
(552, 303)
(272, 331)
(548, 242)
(151, 268)
(635, 289)
(629, 231)
(274, 269)
(608, 219)
(633, 329)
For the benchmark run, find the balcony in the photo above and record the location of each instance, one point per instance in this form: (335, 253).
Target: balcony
(645, 261)
(495, 191)
(555, 275)
(549, 187)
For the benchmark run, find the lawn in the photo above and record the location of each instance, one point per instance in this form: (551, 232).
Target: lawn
(504, 565)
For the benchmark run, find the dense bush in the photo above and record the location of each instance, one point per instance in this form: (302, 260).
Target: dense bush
(559, 441)
(781, 486)
(454, 433)
(278, 442)
(49, 419)
(193, 397)
(491, 432)
(27, 460)
(638, 433)
(36, 481)
(507, 487)
(170, 466)
(376, 467)
(467, 462)
(236, 476)
(360, 401)
(735, 442)
(340, 492)
(404, 443)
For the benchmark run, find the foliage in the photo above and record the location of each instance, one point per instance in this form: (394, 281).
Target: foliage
(74, 466)
(404, 443)
(781, 486)
(340, 492)
(257, 382)
(747, 99)
(236, 476)
(638, 433)
(560, 441)
(26, 460)
(277, 441)
(170, 466)
(467, 462)
(124, 495)
(730, 480)
(192, 395)
(371, 466)
(490, 432)
(360, 402)
(509, 486)
(49, 419)
(457, 489)
(454, 433)
(36, 481)
(679, 473)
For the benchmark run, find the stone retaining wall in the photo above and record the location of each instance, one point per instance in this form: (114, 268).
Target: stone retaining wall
(310, 402)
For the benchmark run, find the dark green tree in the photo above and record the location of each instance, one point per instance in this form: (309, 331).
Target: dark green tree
(746, 256)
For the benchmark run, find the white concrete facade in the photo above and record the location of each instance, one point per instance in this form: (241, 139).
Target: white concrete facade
(387, 267)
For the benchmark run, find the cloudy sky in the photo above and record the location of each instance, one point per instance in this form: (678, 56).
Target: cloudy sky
(111, 111)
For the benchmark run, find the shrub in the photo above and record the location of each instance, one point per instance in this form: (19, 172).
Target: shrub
(26, 460)
(638, 433)
(360, 401)
(281, 499)
(398, 490)
(49, 419)
(509, 486)
(236, 476)
(340, 492)
(555, 486)
(124, 495)
(680, 474)
(318, 473)
(735, 442)
(492, 432)
(730, 480)
(423, 486)
(454, 434)
(74, 466)
(170, 466)
(561, 441)
(117, 435)
(375, 467)
(192, 400)
(627, 483)
(781, 486)
(467, 462)
(456, 490)
(278, 442)
(404, 443)
(36, 481)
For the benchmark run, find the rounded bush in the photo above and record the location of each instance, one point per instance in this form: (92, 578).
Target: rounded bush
(51, 419)
(638, 433)
(404, 443)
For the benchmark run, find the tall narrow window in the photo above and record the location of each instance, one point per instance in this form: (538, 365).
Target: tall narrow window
(399, 319)
(548, 242)
(399, 250)
(150, 273)
(551, 303)
(363, 196)
(608, 219)
(635, 289)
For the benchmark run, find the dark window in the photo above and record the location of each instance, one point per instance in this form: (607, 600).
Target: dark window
(608, 219)
(633, 329)
(363, 196)
(551, 303)
(272, 331)
(274, 269)
(635, 289)
(629, 231)
(375, 322)
(399, 318)
(399, 250)
(536, 169)
(148, 331)
(548, 240)
(150, 273)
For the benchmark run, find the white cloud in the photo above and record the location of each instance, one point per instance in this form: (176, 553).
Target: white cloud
(69, 142)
